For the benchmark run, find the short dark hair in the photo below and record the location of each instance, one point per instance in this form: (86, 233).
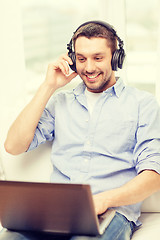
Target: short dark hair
(91, 30)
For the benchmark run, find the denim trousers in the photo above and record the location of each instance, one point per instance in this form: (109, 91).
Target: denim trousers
(119, 228)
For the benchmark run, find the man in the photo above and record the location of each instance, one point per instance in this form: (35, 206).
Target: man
(104, 133)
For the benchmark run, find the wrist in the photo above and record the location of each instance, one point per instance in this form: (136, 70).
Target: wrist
(47, 89)
(113, 198)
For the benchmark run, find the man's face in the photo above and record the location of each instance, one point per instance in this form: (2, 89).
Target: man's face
(93, 63)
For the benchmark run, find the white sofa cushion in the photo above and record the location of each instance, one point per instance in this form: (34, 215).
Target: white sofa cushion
(150, 228)
(150, 218)
(152, 204)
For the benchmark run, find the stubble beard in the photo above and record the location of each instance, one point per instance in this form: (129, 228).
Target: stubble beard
(97, 86)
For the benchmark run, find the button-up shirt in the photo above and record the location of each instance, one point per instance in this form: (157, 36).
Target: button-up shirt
(107, 148)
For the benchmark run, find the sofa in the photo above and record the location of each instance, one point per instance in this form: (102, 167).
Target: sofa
(150, 218)
(36, 166)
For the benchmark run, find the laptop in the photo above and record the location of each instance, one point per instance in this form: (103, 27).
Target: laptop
(51, 207)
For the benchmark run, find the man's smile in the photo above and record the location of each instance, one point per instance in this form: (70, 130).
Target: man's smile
(92, 78)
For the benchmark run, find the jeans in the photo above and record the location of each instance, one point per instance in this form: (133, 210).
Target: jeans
(119, 228)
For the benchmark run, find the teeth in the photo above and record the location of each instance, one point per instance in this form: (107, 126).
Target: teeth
(92, 76)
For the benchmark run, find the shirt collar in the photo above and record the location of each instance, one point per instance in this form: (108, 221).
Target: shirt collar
(118, 87)
(80, 89)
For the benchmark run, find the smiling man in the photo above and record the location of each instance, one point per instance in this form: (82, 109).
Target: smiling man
(93, 62)
(104, 133)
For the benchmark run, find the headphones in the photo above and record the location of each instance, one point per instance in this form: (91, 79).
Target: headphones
(118, 55)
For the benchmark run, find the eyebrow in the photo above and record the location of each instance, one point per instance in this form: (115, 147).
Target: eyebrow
(79, 54)
(94, 54)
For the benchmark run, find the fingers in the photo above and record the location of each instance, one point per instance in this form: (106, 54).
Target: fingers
(67, 58)
(99, 203)
(63, 67)
(58, 73)
(62, 64)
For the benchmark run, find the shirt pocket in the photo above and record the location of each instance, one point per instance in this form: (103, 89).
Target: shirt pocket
(117, 135)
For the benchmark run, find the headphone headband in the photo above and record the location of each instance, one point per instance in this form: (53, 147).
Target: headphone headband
(119, 53)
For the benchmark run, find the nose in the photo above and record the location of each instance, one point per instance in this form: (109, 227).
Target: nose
(90, 66)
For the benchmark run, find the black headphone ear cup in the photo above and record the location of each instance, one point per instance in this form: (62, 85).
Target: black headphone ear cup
(73, 58)
(121, 58)
(118, 59)
(114, 61)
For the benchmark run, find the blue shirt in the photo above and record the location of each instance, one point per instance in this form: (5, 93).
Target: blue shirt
(108, 148)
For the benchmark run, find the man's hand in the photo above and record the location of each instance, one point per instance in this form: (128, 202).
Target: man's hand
(100, 203)
(58, 72)
(134, 191)
(22, 130)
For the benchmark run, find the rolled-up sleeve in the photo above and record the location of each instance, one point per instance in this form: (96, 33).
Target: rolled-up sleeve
(147, 149)
(44, 131)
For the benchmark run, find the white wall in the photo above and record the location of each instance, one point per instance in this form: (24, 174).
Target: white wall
(13, 94)
(158, 65)
(12, 68)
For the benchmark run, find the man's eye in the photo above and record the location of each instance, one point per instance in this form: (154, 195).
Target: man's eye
(81, 59)
(98, 58)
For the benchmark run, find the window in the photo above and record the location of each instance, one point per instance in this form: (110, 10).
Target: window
(48, 26)
(142, 43)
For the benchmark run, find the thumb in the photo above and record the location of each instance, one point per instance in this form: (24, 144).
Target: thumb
(71, 76)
